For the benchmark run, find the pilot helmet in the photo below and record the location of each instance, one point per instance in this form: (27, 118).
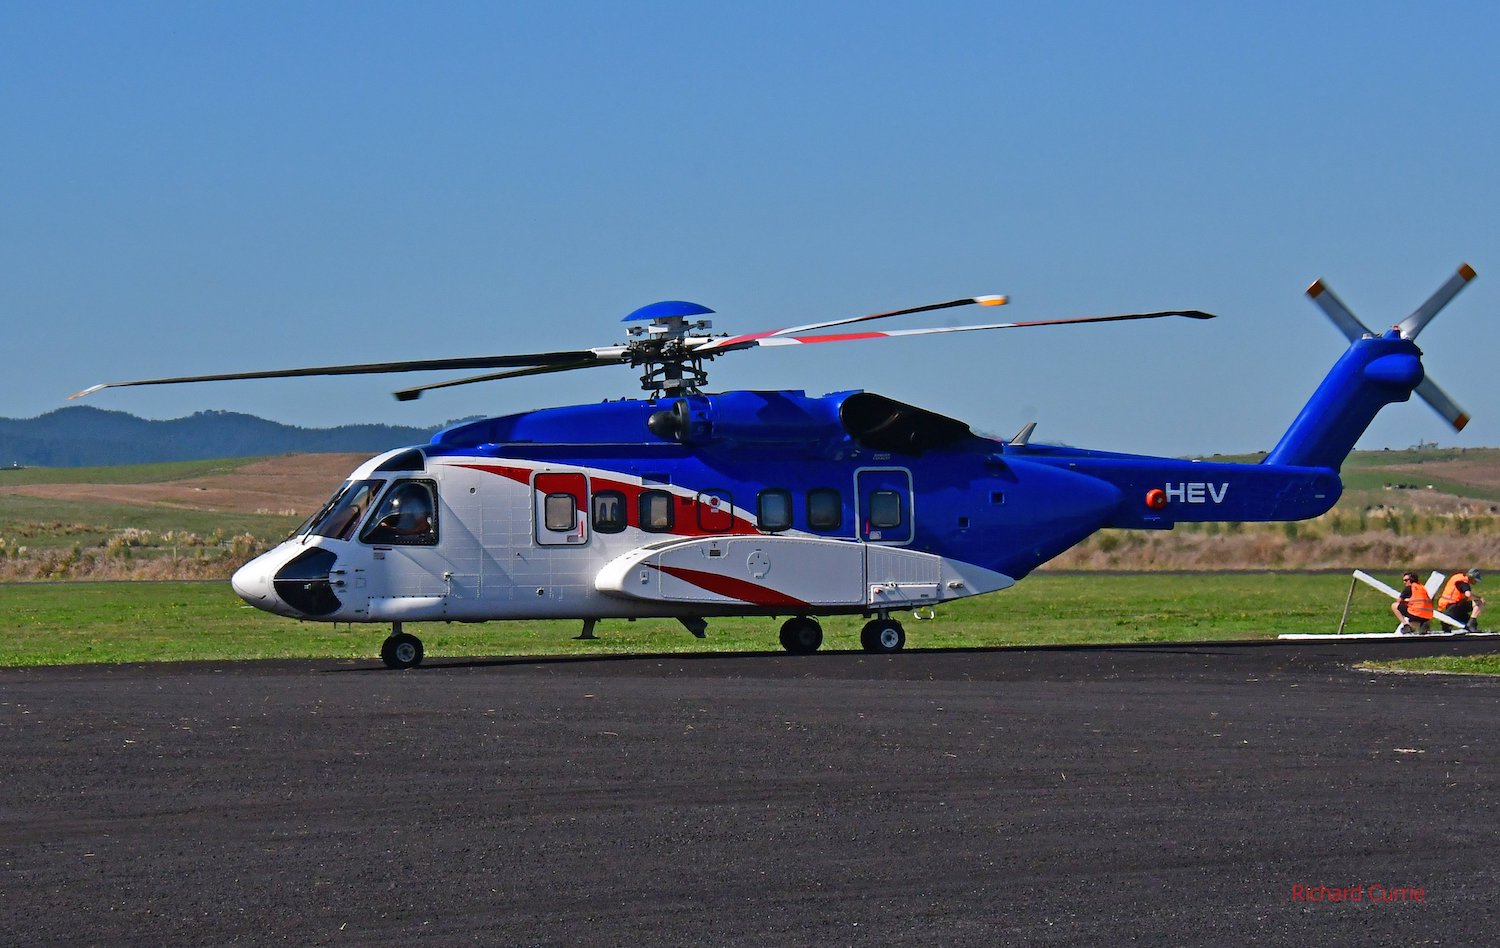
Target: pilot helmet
(411, 507)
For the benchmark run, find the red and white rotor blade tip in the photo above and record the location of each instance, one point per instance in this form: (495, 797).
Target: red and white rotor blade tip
(749, 340)
(893, 333)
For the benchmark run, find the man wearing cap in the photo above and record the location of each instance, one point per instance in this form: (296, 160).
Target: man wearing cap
(1414, 606)
(1458, 600)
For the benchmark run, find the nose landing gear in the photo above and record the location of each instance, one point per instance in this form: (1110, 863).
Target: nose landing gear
(401, 649)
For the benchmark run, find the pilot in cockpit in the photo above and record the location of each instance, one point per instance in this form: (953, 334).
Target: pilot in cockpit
(410, 511)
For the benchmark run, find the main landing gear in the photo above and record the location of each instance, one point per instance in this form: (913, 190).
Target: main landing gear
(882, 636)
(801, 635)
(401, 649)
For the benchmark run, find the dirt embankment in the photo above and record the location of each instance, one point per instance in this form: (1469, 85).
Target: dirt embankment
(294, 485)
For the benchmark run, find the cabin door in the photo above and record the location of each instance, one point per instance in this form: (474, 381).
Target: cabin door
(562, 503)
(422, 550)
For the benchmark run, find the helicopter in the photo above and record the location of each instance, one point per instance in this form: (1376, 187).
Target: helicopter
(689, 505)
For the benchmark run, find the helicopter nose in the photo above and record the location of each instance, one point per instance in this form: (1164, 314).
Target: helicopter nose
(252, 582)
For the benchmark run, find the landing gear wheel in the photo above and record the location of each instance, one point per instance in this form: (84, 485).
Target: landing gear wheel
(882, 636)
(801, 635)
(401, 650)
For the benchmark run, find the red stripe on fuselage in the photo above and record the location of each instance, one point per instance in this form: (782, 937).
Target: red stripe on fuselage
(521, 475)
(730, 587)
(686, 517)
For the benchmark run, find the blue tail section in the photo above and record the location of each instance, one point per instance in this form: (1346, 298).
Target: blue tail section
(1376, 371)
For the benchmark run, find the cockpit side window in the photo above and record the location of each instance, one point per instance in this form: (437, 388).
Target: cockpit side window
(344, 509)
(407, 516)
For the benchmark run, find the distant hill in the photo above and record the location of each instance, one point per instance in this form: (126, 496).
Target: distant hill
(81, 436)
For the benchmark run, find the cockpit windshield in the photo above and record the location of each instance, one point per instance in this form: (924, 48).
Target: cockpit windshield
(343, 511)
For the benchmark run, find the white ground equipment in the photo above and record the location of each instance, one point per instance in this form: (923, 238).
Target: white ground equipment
(1434, 582)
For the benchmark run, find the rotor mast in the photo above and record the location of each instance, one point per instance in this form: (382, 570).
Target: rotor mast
(665, 348)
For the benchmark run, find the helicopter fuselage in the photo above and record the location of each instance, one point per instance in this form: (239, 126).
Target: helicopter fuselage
(768, 503)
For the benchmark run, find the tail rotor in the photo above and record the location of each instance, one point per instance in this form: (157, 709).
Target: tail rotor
(1408, 328)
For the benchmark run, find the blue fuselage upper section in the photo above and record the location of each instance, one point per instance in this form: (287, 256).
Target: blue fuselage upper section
(1007, 508)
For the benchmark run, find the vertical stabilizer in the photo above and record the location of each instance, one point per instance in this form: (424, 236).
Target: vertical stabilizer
(1372, 374)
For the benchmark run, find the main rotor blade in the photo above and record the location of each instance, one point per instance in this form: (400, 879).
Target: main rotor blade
(1334, 309)
(368, 368)
(891, 333)
(1412, 325)
(1442, 404)
(411, 394)
(750, 339)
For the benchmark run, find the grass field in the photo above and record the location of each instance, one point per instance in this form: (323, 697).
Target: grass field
(169, 529)
(124, 473)
(67, 623)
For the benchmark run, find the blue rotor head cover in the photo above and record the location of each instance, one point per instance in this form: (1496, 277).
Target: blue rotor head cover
(667, 309)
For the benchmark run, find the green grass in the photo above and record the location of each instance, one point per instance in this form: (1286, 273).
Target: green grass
(1446, 664)
(1375, 480)
(68, 623)
(123, 474)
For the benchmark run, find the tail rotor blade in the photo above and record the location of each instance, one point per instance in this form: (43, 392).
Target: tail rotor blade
(1334, 309)
(1413, 324)
(1442, 404)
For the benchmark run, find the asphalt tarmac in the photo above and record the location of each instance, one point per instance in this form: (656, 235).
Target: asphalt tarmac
(1161, 795)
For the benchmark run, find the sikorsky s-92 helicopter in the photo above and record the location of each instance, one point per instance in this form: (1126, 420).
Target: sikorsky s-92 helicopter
(689, 505)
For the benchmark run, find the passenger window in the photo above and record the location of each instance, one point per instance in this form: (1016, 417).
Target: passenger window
(825, 509)
(609, 511)
(407, 516)
(774, 510)
(561, 512)
(656, 511)
(885, 509)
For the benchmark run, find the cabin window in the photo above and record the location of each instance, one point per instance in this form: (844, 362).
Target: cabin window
(560, 512)
(655, 509)
(825, 509)
(343, 511)
(609, 511)
(885, 509)
(774, 510)
(407, 516)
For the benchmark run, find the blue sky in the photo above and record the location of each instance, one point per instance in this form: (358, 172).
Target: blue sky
(212, 187)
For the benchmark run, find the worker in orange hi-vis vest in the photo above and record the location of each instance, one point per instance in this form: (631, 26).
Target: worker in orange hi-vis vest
(1458, 600)
(1414, 607)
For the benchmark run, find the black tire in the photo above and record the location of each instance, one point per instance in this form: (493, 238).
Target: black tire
(882, 636)
(801, 635)
(401, 650)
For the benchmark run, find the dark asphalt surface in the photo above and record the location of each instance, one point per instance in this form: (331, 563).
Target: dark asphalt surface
(1159, 795)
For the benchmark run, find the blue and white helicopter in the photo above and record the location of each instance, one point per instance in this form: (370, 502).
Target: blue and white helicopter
(689, 505)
